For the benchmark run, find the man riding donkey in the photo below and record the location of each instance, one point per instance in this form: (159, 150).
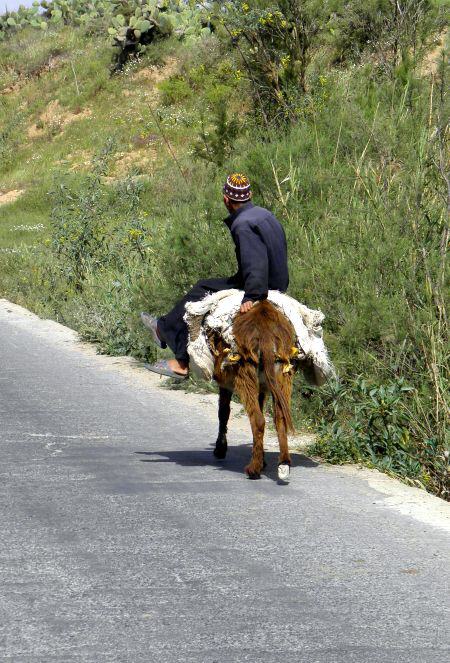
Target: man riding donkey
(261, 254)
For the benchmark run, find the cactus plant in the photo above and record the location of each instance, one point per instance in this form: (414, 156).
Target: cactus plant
(137, 25)
(76, 12)
(133, 24)
(11, 22)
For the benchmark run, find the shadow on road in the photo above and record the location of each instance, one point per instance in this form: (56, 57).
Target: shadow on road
(237, 458)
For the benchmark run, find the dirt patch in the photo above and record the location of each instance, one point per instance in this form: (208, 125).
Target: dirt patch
(142, 160)
(122, 164)
(55, 61)
(154, 75)
(10, 196)
(54, 119)
(14, 87)
(109, 180)
(80, 160)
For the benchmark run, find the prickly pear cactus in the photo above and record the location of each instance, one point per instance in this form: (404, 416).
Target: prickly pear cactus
(75, 12)
(11, 22)
(133, 24)
(137, 24)
(52, 12)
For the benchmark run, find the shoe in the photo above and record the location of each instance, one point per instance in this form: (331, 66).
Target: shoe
(152, 325)
(162, 368)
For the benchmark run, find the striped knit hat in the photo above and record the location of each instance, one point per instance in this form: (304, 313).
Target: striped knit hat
(237, 188)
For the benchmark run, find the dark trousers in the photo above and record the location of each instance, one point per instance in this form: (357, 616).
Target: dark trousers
(173, 329)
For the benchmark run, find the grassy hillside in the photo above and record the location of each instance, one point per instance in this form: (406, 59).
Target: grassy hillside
(110, 201)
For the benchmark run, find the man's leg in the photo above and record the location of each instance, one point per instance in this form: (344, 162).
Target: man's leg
(172, 328)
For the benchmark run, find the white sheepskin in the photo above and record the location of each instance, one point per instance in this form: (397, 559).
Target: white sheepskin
(217, 311)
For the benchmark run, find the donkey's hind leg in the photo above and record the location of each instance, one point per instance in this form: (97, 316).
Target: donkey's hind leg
(248, 389)
(261, 401)
(284, 460)
(220, 450)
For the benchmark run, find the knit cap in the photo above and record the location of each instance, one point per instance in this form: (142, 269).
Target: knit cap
(237, 188)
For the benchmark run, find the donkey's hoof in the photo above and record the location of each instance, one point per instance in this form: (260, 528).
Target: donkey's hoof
(220, 451)
(283, 472)
(252, 473)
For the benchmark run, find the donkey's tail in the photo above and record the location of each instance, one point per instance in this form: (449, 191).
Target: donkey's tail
(276, 381)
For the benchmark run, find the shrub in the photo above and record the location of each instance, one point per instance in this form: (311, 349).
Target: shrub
(174, 90)
(387, 29)
(218, 136)
(278, 40)
(375, 424)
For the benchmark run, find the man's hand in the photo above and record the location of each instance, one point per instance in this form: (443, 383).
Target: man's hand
(246, 306)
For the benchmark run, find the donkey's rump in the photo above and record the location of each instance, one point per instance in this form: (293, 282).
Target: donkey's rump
(267, 338)
(215, 314)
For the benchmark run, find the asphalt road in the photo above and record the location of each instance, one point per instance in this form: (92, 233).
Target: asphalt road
(121, 539)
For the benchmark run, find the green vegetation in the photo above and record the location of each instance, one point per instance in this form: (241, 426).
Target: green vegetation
(112, 184)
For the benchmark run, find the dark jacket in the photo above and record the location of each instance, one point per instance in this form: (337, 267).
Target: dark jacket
(261, 251)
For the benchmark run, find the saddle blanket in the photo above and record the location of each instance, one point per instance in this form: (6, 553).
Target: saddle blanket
(216, 312)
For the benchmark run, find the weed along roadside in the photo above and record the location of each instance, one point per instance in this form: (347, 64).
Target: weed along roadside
(117, 130)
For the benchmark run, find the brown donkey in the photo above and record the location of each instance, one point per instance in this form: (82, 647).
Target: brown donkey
(264, 363)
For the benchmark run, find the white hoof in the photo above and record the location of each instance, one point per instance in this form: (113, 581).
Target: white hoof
(283, 472)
